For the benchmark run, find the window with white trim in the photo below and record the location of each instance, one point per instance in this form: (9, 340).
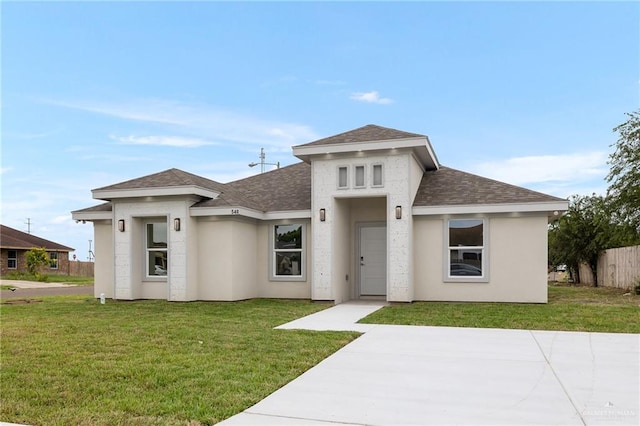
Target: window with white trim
(343, 177)
(466, 249)
(288, 251)
(156, 249)
(376, 175)
(12, 259)
(359, 177)
(53, 260)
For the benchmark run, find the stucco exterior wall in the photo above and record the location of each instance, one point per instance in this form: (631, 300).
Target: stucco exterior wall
(396, 175)
(130, 279)
(343, 271)
(517, 255)
(215, 271)
(244, 259)
(103, 280)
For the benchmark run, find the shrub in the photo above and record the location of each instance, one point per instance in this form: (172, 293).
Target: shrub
(36, 259)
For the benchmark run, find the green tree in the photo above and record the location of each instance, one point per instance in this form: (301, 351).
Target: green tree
(36, 259)
(624, 175)
(584, 232)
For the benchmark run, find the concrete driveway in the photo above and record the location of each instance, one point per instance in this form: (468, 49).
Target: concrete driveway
(25, 289)
(408, 375)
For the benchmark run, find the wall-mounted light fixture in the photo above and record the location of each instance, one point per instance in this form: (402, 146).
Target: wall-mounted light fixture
(176, 224)
(323, 215)
(398, 212)
(121, 225)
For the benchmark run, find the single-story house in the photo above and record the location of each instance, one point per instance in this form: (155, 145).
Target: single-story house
(369, 213)
(15, 244)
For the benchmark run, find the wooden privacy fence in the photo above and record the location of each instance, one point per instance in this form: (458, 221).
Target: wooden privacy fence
(619, 267)
(81, 269)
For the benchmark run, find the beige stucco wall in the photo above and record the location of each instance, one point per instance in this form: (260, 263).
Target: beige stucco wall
(215, 267)
(244, 259)
(517, 256)
(342, 251)
(103, 249)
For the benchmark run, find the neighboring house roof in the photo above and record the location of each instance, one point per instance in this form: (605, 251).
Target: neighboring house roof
(367, 133)
(13, 239)
(450, 187)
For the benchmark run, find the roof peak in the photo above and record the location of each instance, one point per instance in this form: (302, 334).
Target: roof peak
(172, 177)
(367, 133)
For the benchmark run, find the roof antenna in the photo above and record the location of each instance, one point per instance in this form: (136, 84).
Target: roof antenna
(28, 223)
(262, 162)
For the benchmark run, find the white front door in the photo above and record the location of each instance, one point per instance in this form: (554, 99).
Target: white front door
(373, 261)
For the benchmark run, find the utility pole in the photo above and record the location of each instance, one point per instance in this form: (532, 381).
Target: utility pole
(90, 257)
(28, 223)
(262, 162)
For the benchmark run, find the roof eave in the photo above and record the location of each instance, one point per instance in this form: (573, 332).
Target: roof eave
(552, 208)
(247, 212)
(91, 216)
(110, 194)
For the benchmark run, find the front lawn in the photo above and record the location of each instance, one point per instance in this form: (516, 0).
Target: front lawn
(49, 278)
(71, 360)
(572, 308)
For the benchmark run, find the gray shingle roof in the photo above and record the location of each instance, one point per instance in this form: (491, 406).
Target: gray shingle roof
(167, 178)
(287, 188)
(104, 207)
(13, 239)
(368, 133)
(450, 187)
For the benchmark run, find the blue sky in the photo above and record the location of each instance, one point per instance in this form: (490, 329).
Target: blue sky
(97, 93)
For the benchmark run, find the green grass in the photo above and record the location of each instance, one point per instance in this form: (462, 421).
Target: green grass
(50, 278)
(71, 360)
(572, 308)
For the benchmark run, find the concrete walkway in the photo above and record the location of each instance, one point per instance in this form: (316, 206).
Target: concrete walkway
(407, 375)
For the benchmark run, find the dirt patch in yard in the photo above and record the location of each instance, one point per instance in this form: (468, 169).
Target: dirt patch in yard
(19, 301)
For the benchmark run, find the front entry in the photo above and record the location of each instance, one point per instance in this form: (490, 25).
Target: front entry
(373, 260)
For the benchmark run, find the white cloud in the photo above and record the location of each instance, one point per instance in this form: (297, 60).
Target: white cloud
(150, 110)
(546, 168)
(175, 141)
(4, 170)
(370, 97)
(204, 122)
(561, 175)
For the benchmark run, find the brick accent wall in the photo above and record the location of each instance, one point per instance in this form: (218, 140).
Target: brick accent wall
(63, 263)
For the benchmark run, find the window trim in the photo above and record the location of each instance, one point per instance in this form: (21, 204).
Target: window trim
(355, 176)
(273, 252)
(57, 260)
(346, 185)
(15, 259)
(484, 278)
(146, 250)
(373, 174)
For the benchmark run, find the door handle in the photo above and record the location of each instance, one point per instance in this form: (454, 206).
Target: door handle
(361, 260)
